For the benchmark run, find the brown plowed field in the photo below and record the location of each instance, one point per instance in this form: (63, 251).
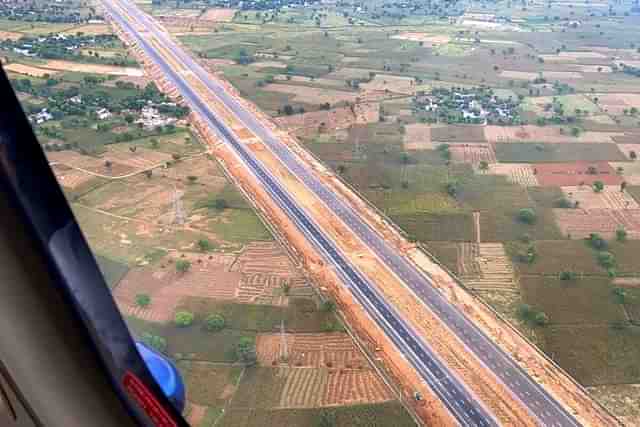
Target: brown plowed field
(609, 198)
(566, 174)
(264, 258)
(580, 223)
(167, 288)
(346, 386)
(472, 153)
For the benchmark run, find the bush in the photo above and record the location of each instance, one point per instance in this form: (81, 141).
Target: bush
(527, 215)
(214, 323)
(568, 275)
(327, 418)
(246, 351)
(606, 259)
(541, 319)
(183, 319)
(204, 245)
(621, 234)
(143, 300)
(154, 341)
(598, 186)
(619, 295)
(182, 266)
(524, 311)
(597, 242)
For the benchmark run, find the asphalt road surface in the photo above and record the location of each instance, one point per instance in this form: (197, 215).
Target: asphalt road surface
(451, 390)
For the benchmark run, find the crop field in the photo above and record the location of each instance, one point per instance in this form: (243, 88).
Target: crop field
(548, 134)
(374, 415)
(521, 174)
(472, 153)
(546, 152)
(579, 223)
(596, 355)
(587, 300)
(193, 342)
(609, 198)
(576, 174)
(555, 256)
(418, 137)
(210, 385)
(616, 103)
(452, 134)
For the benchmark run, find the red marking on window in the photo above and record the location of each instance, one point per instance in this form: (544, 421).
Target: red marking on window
(147, 401)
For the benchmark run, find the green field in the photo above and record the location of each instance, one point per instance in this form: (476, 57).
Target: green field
(544, 152)
(380, 415)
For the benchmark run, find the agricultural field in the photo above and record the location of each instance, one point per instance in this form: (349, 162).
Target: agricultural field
(508, 199)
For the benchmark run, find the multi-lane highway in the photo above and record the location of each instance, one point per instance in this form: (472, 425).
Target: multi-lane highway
(455, 395)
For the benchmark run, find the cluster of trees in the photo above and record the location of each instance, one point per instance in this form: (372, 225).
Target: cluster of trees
(71, 47)
(43, 12)
(532, 316)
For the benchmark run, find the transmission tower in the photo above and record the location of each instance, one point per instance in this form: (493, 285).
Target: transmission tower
(178, 209)
(284, 351)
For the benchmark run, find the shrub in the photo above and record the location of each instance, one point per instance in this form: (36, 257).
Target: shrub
(568, 275)
(214, 323)
(598, 186)
(183, 319)
(606, 259)
(182, 266)
(597, 242)
(204, 245)
(246, 351)
(619, 295)
(621, 234)
(527, 215)
(541, 319)
(143, 300)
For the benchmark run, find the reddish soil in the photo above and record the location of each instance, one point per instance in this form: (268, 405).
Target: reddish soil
(348, 386)
(566, 174)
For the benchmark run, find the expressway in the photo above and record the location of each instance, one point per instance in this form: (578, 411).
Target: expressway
(454, 394)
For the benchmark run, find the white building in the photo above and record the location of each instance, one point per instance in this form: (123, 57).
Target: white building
(103, 114)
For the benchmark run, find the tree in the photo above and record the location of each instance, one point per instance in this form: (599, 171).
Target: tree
(214, 323)
(598, 186)
(149, 173)
(220, 204)
(129, 118)
(451, 188)
(621, 234)
(288, 110)
(176, 156)
(192, 179)
(133, 148)
(597, 242)
(246, 351)
(108, 164)
(154, 143)
(182, 266)
(154, 341)
(623, 186)
(204, 245)
(524, 311)
(633, 155)
(183, 319)
(575, 131)
(143, 300)
(484, 165)
(541, 319)
(527, 215)
(606, 259)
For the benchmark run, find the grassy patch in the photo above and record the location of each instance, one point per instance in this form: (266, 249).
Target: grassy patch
(446, 253)
(259, 388)
(210, 384)
(301, 315)
(376, 415)
(588, 300)
(239, 226)
(626, 254)
(193, 342)
(598, 355)
(555, 256)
